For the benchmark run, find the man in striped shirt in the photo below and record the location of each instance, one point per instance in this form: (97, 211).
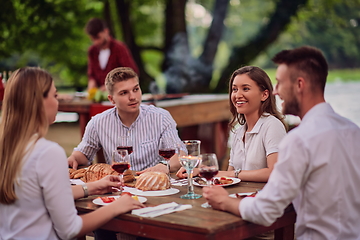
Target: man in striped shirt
(145, 125)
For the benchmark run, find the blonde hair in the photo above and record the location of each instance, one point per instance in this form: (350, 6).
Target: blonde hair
(23, 115)
(118, 75)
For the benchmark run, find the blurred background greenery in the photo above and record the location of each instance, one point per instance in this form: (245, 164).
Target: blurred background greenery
(217, 36)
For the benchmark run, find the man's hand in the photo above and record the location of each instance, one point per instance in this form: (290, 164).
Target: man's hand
(157, 168)
(182, 172)
(219, 199)
(72, 162)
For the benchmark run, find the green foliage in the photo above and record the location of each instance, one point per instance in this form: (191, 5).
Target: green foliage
(337, 75)
(49, 33)
(332, 26)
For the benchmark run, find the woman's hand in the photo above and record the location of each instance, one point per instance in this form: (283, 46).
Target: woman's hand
(125, 203)
(182, 172)
(105, 185)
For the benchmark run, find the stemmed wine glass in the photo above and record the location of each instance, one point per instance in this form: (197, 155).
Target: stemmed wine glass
(209, 167)
(189, 161)
(120, 162)
(167, 149)
(125, 143)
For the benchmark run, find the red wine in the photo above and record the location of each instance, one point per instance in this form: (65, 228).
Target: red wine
(128, 148)
(120, 167)
(208, 173)
(167, 154)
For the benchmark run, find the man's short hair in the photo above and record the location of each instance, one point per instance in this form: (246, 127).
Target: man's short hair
(307, 60)
(118, 75)
(94, 26)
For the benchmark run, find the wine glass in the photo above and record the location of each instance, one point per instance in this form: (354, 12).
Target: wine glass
(189, 161)
(125, 143)
(167, 149)
(209, 167)
(120, 162)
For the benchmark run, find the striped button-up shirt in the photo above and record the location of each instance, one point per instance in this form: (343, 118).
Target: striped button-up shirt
(152, 124)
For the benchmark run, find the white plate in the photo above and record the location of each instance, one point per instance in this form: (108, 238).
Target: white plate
(98, 200)
(166, 192)
(241, 194)
(235, 181)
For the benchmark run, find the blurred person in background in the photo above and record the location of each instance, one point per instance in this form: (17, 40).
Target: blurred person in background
(105, 54)
(36, 198)
(318, 167)
(255, 144)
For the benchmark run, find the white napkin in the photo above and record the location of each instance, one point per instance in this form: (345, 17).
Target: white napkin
(76, 182)
(160, 209)
(179, 182)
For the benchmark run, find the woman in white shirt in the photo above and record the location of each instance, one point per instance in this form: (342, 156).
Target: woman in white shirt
(255, 144)
(36, 198)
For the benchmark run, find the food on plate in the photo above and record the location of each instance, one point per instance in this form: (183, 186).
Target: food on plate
(239, 195)
(200, 181)
(76, 174)
(135, 197)
(223, 180)
(152, 181)
(127, 193)
(98, 171)
(128, 176)
(107, 199)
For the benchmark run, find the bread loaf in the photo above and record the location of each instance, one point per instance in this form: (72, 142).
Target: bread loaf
(98, 171)
(128, 176)
(152, 181)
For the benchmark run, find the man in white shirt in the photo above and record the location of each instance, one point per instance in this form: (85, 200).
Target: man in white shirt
(318, 167)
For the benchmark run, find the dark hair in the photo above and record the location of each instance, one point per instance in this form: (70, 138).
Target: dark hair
(307, 60)
(118, 75)
(94, 26)
(263, 81)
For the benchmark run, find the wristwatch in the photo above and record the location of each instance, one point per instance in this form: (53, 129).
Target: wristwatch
(163, 162)
(236, 172)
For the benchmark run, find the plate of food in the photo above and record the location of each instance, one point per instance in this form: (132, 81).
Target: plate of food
(139, 192)
(242, 195)
(109, 199)
(221, 181)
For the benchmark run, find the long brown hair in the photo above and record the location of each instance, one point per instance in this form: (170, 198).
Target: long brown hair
(23, 115)
(263, 81)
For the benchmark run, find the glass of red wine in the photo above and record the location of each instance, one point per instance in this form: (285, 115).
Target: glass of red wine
(209, 168)
(125, 143)
(120, 161)
(167, 149)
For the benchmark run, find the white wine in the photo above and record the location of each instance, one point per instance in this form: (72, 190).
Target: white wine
(189, 162)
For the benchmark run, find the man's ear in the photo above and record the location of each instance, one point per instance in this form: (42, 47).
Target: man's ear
(300, 84)
(110, 97)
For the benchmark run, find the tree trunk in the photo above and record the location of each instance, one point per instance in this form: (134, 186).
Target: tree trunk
(107, 17)
(123, 10)
(174, 23)
(242, 55)
(184, 73)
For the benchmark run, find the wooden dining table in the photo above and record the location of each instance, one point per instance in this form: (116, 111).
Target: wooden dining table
(196, 223)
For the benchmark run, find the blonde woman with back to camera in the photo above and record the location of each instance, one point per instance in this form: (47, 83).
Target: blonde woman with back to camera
(35, 194)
